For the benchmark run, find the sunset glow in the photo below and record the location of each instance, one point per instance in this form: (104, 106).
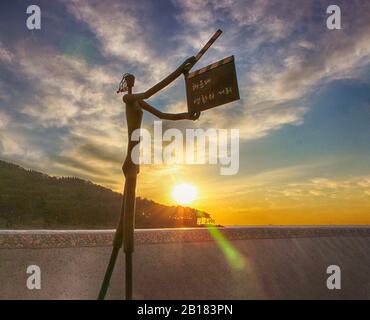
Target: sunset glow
(184, 193)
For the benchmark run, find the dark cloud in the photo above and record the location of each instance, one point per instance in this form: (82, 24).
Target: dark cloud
(78, 165)
(101, 152)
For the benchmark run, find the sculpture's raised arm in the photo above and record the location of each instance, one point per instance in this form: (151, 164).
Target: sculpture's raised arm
(183, 68)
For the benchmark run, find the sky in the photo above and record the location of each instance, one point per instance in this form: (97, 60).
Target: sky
(303, 115)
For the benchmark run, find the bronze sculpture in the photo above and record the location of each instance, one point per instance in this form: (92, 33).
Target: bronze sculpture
(135, 105)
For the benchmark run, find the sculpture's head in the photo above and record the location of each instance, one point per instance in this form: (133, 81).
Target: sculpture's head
(128, 81)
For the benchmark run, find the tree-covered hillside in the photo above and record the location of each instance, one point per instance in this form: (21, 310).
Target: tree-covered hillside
(30, 199)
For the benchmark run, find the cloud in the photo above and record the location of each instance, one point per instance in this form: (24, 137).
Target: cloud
(324, 186)
(323, 183)
(364, 183)
(316, 193)
(10, 141)
(69, 96)
(121, 34)
(66, 87)
(4, 119)
(5, 55)
(104, 153)
(198, 18)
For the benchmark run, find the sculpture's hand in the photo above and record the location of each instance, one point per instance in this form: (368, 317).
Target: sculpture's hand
(188, 64)
(194, 115)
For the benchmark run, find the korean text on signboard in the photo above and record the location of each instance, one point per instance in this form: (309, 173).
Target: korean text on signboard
(212, 86)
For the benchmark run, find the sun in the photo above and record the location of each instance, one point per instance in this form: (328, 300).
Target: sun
(184, 193)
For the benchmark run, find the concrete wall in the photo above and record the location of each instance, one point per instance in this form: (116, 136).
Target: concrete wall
(243, 263)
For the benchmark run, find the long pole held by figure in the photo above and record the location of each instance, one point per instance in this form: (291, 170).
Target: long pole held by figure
(135, 105)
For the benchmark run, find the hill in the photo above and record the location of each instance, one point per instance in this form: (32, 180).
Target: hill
(30, 199)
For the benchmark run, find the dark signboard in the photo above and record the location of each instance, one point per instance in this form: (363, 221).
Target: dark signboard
(212, 86)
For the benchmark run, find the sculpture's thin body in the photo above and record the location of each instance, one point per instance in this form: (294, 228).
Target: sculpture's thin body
(135, 105)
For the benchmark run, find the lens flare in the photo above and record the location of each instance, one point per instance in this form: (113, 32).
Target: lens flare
(232, 255)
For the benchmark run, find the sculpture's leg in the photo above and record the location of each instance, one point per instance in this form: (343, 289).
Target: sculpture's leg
(117, 244)
(128, 227)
